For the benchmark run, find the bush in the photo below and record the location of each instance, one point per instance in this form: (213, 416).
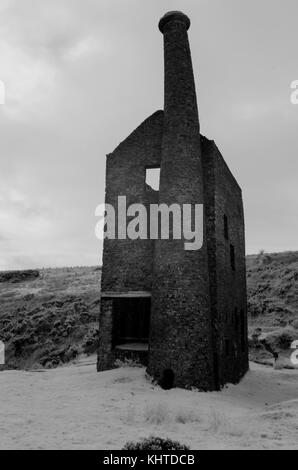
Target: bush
(155, 443)
(90, 344)
(254, 308)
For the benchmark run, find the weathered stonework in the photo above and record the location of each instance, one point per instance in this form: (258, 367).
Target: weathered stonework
(198, 320)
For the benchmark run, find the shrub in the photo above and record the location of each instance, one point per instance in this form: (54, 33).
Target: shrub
(155, 443)
(90, 344)
(254, 307)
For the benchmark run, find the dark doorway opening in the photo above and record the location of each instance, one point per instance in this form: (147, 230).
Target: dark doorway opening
(131, 323)
(232, 257)
(242, 328)
(167, 380)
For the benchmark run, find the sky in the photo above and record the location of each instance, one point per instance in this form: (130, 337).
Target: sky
(81, 75)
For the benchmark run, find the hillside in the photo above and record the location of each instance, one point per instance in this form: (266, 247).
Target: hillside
(272, 282)
(49, 317)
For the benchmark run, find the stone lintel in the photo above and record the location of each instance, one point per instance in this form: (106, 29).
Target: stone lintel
(123, 295)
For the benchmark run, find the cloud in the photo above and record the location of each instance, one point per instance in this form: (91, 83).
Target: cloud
(85, 46)
(37, 40)
(81, 75)
(21, 218)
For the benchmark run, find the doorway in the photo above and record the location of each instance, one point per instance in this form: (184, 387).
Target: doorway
(131, 322)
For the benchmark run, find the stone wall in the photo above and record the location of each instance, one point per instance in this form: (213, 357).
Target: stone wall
(184, 327)
(127, 264)
(227, 285)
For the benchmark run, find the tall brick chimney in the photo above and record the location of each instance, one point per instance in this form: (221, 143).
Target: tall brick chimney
(181, 339)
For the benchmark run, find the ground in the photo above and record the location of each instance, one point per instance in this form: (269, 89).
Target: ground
(73, 407)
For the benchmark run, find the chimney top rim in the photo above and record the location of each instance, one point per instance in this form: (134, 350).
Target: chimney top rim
(173, 16)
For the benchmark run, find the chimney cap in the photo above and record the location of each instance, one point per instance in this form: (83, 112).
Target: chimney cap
(173, 16)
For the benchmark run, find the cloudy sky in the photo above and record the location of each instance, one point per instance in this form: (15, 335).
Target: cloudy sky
(80, 75)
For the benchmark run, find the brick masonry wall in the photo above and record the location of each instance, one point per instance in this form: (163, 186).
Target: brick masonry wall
(227, 287)
(105, 353)
(127, 264)
(209, 215)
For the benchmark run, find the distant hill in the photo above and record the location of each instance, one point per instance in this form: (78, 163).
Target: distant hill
(49, 317)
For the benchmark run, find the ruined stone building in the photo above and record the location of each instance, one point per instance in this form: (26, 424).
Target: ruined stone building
(182, 313)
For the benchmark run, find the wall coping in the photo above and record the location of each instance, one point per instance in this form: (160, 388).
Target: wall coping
(129, 294)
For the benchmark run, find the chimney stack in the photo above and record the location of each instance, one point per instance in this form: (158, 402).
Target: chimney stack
(180, 100)
(183, 344)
